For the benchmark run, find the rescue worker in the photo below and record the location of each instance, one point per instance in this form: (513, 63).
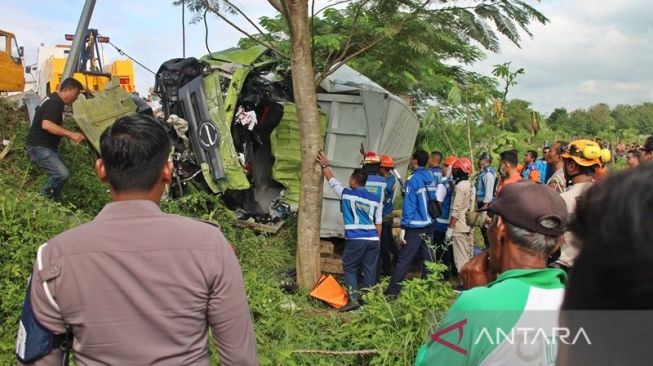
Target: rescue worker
(486, 183)
(376, 184)
(416, 223)
(557, 181)
(434, 166)
(389, 252)
(508, 169)
(458, 231)
(531, 170)
(444, 194)
(510, 288)
(361, 213)
(581, 159)
(138, 286)
(45, 134)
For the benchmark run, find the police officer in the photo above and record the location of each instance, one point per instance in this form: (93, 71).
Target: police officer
(416, 223)
(137, 286)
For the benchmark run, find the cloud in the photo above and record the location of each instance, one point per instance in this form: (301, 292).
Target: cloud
(588, 53)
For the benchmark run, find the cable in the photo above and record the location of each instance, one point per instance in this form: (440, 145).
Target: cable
(131, 58)
(206, 33)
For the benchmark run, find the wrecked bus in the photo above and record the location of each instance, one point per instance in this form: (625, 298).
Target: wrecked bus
(235, 130)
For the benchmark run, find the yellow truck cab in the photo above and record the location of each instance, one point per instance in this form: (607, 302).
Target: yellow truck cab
(52, 60)
(12, 71)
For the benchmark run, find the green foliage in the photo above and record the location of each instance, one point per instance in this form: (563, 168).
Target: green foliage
(27, 220)
(628, 122)
(284, 322)
(404, 45)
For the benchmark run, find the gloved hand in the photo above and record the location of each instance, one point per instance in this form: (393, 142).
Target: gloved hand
(402, 236)
(448, 234)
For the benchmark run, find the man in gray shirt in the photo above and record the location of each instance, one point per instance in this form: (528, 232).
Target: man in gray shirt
(138, 286)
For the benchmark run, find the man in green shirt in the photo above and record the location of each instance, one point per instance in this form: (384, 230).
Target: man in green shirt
(509, 315)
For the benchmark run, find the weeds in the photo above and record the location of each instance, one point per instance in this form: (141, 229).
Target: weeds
(285, 322)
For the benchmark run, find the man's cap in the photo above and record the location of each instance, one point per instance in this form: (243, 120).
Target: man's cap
(526, 203)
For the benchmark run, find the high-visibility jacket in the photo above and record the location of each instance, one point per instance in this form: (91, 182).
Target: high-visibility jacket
(481, 186)
(437, 175)
(419, 189)
(442, 222)
(377, 185)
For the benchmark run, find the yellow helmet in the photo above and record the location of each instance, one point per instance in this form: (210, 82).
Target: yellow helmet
(586, 153)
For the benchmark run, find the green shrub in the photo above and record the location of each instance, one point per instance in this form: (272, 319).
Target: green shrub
(27, 220)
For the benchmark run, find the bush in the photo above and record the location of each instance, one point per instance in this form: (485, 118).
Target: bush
(285, 321)
(27, 220)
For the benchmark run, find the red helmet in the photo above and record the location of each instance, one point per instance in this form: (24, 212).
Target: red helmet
(387, 162)
(450, 160)
(463, 164)
(371, 158)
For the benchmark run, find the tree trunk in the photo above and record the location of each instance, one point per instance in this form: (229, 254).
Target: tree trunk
(310, 199)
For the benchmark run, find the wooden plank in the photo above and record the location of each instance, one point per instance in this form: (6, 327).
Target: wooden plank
(326, 247)
(331, 265)
(259, 227)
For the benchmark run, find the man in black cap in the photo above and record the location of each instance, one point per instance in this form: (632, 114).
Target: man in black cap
(510, 287)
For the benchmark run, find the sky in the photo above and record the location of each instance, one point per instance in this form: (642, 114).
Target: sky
(590, 51)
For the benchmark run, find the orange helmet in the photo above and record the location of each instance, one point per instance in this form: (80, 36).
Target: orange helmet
(463, 164)
(450, 160)
(371, 158)
(387, 162)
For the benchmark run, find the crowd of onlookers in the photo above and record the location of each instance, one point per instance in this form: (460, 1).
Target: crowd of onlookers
(535, 214)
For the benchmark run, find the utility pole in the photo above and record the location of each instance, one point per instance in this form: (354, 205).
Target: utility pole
(72, 62)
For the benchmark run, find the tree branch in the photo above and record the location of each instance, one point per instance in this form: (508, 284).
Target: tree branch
(330, 69)
(245, 16)
(332, 5)
(277, 5)
(207, 5)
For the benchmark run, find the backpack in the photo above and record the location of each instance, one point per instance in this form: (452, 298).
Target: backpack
(432, 205)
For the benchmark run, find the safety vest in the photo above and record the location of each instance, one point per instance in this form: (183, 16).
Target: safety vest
(442, 222)
(480, 185)
(437, 175)
(376, 185)
(359, 208)
(418, 191)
